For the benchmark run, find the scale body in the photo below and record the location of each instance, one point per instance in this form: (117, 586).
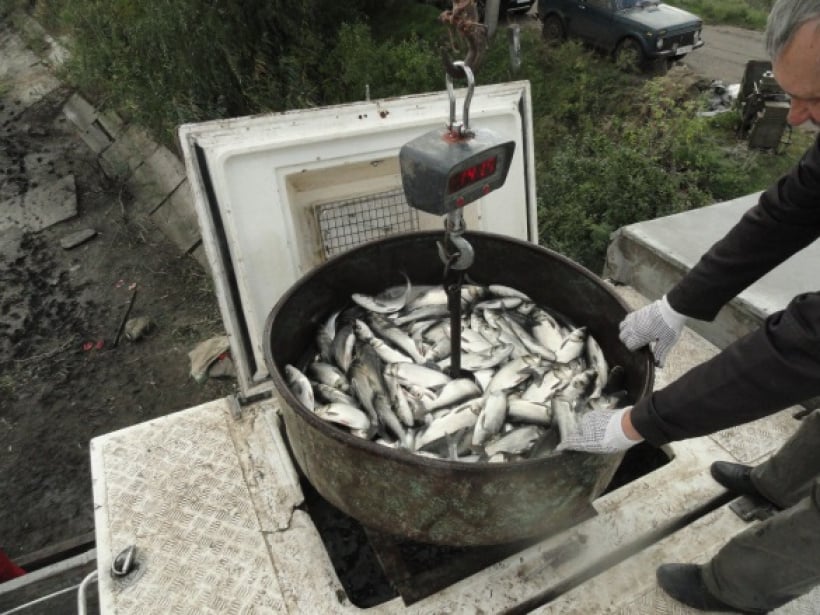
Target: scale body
(442, 171)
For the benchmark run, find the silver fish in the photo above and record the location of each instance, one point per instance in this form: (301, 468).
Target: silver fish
(434, 296)
(437, 332)
(439, 350)
(388, 418)
(571, 346)
(543, 389)
(400, 401)
(491, 419)
(606, 402)
(387, 353)
(324, 338)
(329, 374)
(527, 411)
(438, 296)
(345, 415)
(564, 416)
(473, 341)
(412, 373)
(509, 336)
(578, 386)
(499, 303)
(488, 359)
(396, 336)
(515, 442)
(507, 291)
(422, 313)
(342, 347)
(300, 385)
(386, 303)
(513, 373)
(454, 392)
(370, 367)
(331, 394)
(532, 344)
(363, 387)
(546, 330)
(470, 293)
(526, 308)
(362, 330)
(452, 422)
(596, 359)
(483, 377)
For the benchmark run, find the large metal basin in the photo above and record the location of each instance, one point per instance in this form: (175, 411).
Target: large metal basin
(429, 500)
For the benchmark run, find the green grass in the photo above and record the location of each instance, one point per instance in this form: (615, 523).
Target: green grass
(743, 13)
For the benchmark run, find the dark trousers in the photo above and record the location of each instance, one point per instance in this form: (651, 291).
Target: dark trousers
(777, 560)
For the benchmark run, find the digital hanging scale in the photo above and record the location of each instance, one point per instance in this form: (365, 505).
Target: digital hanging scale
(444, 170)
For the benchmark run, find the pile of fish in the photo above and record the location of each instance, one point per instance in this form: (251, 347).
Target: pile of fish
(382, 372)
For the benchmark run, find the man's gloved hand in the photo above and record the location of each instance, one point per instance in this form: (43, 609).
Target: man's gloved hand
(656, 324)
(598, 431)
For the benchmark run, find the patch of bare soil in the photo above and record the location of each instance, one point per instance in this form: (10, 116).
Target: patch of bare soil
(62, 379)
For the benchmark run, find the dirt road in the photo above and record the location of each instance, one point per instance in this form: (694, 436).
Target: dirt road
(723, 56)
(725, 52)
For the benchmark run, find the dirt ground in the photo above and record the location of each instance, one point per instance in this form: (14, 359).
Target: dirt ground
(63, 380)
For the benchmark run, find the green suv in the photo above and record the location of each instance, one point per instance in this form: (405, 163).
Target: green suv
(635, 32)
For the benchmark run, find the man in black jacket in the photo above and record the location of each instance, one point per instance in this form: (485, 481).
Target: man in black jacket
(768, 370)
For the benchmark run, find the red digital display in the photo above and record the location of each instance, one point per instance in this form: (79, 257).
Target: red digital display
(471, 175)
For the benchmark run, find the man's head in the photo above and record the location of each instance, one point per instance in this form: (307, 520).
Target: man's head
(793, 43)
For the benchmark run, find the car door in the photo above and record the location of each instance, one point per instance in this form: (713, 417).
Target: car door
(592, 22)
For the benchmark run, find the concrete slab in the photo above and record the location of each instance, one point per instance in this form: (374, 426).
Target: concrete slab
(47, 165)
(132, 147)
(154, 180)
(28, 79)
(97, 129)
(41, 207)
(652, 256)
(178, 220)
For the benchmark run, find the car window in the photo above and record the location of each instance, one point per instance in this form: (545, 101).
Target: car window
(626, 4)
(601, 4)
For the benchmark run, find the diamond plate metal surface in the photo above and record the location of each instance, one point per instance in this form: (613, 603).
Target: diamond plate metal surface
(751, 442)
(174, 488)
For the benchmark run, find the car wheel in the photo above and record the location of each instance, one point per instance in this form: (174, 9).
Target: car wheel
(629, 55)
(553, 30)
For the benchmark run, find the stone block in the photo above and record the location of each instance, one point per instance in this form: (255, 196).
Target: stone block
(41, 207)
(131, 149)
(79, 112)
(153, 181)
(177, 219)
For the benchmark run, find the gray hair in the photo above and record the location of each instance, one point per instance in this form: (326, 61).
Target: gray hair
(785, 19)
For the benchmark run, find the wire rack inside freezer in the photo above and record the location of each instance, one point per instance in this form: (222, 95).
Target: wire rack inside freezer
(346, 224)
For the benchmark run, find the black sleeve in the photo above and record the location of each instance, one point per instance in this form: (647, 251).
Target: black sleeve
(785, 220)
(768, 370)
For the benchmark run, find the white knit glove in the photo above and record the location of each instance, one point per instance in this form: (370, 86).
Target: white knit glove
(656, 324)
(598, 431)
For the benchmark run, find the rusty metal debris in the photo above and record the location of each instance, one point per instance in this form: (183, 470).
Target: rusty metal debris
(465, 28)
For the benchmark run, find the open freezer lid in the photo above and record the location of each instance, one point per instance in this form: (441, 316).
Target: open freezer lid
(278, 194)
